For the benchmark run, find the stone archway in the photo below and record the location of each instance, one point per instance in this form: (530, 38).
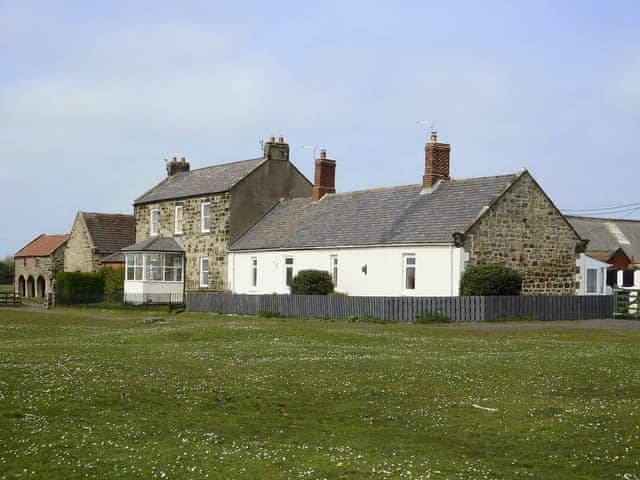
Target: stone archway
(31, 287)
(21, 286)
(40, 286)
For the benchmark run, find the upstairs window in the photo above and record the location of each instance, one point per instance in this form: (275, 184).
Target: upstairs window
(204, 272)
(288, 269)
(254, 271)
(205, 217)
(178, 220)
(154, 223)
(333, 264)
(410, 272)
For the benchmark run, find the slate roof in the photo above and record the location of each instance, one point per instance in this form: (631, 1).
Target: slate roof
(117, 257)
(601, 233)
(155, 244)
(202, 181)
(42, 246)
(386, 216)
(110, 231)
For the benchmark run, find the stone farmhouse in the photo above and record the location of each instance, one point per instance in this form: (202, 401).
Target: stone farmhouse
(95, 237)
(195, 214)
(413, 240)
(37, 263)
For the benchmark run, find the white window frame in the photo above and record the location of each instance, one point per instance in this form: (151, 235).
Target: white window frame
(406, 266)
(591, 281)
(202, 217)
(254, 271)
(288, 268)
(334, 266)
(202, 270)
(154, 231)
(177, 221)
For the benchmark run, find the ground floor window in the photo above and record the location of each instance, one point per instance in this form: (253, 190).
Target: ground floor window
(157, 267)
(288, 268)
(254, 271)
(592, 280)
(333, 264)
(204, 272)
(409, 272)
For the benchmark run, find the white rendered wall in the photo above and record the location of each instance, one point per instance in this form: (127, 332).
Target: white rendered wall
(585, 262)
(438, 270)
(136, 290)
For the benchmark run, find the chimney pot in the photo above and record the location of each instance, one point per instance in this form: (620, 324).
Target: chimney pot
(323, 154)
(280, 139)
(434, 137)
(272, 139)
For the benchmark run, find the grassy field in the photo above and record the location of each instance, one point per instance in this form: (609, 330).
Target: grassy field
(95, 394)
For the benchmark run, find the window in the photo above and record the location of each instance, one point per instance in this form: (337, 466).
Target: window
(288, 269)
(333, 263)
(205, 217)
(155, 216)
(134, 266)
(178, 220)
(153, 267)
(204, 272)
(592, 280)
(36, 263)
(24, 262)
(409, 272)
(172, 267)
(254, 271)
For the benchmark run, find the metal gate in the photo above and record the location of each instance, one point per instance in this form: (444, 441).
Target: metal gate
(625, 302)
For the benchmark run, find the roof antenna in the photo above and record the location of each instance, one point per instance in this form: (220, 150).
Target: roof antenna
(312, 147)
(433, 134)
(261, 143)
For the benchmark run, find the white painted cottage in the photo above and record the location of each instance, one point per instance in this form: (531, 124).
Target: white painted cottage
(413, 240)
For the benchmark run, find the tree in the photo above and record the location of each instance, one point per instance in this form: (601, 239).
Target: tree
(6, 270)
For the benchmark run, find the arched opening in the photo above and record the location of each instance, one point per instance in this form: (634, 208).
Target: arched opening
(40, 285)
(31, 287)
(21, 286)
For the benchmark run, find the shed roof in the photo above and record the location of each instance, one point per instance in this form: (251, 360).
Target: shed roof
(202, 181)
(110, 231)
(155, 244)
(42, 246)
(385, 216)
(609, 234)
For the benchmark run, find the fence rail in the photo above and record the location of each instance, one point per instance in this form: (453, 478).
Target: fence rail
(404, 309)
(10, 299)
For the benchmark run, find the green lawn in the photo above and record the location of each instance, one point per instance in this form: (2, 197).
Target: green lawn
(95, 394)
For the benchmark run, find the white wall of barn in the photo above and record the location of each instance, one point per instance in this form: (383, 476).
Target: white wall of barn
(437, 270)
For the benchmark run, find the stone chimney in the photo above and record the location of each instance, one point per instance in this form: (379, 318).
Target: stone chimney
(177, 166)
(325, 177)
(276, 150)
(436, 162)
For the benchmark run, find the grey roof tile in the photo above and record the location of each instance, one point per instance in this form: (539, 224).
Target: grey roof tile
(202, 181)
(386, 216)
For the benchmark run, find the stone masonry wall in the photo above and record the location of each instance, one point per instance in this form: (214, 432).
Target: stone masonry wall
(196, 243)
(79, 256)
(45, 267)
(524, 231)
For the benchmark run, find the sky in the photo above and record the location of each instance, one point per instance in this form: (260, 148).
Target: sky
(95, 95)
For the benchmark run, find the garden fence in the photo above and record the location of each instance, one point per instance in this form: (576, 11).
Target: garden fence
(406, 309)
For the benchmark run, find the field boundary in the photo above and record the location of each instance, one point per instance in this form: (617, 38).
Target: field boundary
(406, 309)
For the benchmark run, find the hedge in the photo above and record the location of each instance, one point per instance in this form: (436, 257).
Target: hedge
(312, 282)
(69, 283)
(490, 280)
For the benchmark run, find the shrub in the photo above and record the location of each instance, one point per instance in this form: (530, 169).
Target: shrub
(431, 318)
(268, 314)
(490, 280)
(311, 282)
(113, 280)
(69, 283)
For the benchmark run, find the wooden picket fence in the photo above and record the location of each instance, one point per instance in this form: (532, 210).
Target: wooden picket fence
(405, 309)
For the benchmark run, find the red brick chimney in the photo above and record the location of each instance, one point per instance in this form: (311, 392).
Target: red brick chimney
(325, 177)
(436, 161)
